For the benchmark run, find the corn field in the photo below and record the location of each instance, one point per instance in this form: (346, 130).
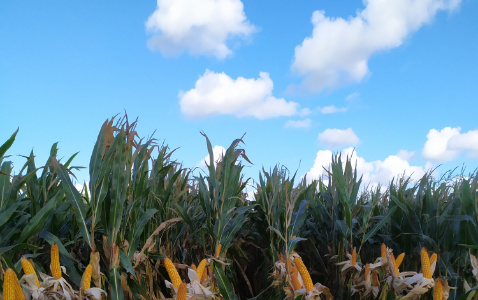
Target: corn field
(146, 227)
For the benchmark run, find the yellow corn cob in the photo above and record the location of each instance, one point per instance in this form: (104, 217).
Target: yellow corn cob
(384, 251)
(354, 257)
(394, 263)
(28, 269)
(10, 280)
(200, 269)
(433, 258)
(87, 277)
(172, 272)
(182, 291)
(425, 263)
(375, 278)
(193, 266)
(367, 270)
(218, 249)
(55, 261)
(294, 276)
(304, 274)
(438, 290)
(399, 260)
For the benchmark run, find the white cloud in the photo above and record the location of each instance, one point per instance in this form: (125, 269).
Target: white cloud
(331, 109)
(374, 172)
(448, 143)
(218, 153)
(217, 93)
(339, 49)
(202, 27)
(335, 138)
(298, 124)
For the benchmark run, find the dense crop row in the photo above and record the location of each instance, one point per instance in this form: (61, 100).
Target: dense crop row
(144, 217)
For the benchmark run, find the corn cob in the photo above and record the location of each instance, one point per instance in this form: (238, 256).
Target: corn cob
(433, 258)
(87, 277)
(425, 263)
(28, 269)
(193, 266)
(294, 276)
(354, 257)
(384, 251)
(218, 249)
(304, 274)
(438, 291)
(172, 272)
(55, 261)
(201, 269)
(367, 270)
(182, 291)
(11, 287)
(375, 278)
(399, 260)
(394, 263)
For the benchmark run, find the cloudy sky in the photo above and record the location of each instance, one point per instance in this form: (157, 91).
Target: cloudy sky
(392, 82)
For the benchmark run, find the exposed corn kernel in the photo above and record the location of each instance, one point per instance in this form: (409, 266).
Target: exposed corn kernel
(201, 269)
(55, 261)
(425, 263)
(304, 274)
(182, 291)
(172, 272)
(87, 277)
(438, 290)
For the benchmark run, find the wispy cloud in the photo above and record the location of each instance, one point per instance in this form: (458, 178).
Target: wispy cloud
(219, 94)
(336, 138)
(201, 27)
(338, 50)
(331, 109)
(306, 123)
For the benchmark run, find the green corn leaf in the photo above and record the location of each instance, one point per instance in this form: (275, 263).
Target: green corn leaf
(223, 283)
(8, 144)
(379, 225)
(115, 284)
(74, 197)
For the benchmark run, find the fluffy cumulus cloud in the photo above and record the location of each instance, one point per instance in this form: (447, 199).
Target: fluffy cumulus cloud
(446, 144)
(306, 123)
(219, 94)
(338, 50)
(218, 153)
(201, 27)
(336, 138)
(373, 173)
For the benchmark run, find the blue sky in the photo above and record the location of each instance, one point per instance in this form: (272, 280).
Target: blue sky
(395, 80)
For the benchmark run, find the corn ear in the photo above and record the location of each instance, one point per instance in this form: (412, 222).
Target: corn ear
(11, 287)
(376, 282)
(28, 269)
(399, 260)
(367, 270)
(384, 251)
(193, 266)
(304, 274)
(354, 257)
(425, 263)
(438, 290)
(86, 284)
(172, 272)
(201, 269)
(55, 261)
(182, 291)
(433, 258)
(294, 277)
(218, 249)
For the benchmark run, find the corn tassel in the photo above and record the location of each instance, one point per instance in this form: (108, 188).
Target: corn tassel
(294, 277)
(11, 287)
(304, 274)
(425, 263)
(55, 262)
(28, 269)
(438, 290)
(201, 269)
(399, 260)
(87, 277)
(172, 272)
(182, 291)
